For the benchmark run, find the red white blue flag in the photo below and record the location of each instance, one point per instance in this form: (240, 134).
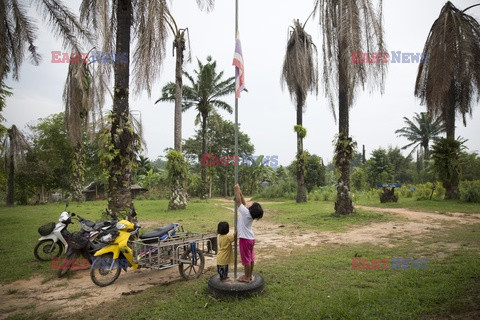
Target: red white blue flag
(239, 68)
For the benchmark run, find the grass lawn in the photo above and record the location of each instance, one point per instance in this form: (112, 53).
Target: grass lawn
(441, 206)
(319, 283)
(310, 283)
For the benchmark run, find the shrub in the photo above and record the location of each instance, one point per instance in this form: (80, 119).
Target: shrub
(470, 191)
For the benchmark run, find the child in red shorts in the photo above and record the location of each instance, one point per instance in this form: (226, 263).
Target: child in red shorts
(245, 234)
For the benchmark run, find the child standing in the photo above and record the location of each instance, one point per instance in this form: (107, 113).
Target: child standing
(246, 237)
(225, 251)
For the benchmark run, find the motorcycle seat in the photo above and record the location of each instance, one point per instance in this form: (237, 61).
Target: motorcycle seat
(155, 235)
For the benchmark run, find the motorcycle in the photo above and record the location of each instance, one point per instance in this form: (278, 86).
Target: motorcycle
(110, 260)
(91, 237)
(53, 240)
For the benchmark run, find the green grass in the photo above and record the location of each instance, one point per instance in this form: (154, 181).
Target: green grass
(441, 206)
(319, 215)
(20, 224)
(318, 283)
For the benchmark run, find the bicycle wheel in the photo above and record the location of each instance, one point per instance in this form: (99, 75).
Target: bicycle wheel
(45, 250)
(105, 270)
(193, 269)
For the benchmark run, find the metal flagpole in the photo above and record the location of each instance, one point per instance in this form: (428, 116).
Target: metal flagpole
(236, 153)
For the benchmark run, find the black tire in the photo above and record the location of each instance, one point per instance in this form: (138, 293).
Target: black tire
(45, 250)
(191, 271)
(66, 267)
(105, 270)
(236, 289)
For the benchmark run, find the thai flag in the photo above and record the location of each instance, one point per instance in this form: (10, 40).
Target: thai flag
(239, 69)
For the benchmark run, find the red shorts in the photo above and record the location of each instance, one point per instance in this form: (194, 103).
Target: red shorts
(246, 250)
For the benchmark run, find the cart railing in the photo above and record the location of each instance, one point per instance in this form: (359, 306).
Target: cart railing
(167, 253)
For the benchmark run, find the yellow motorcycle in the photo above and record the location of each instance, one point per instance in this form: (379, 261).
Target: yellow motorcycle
(109, 261)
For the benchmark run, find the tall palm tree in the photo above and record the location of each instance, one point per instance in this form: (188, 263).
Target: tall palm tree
(18, 31)
(420, 132)
(15, 147)
(349, 26)
(449, 81)
(300, 74)
(204, 92)
(118, 23)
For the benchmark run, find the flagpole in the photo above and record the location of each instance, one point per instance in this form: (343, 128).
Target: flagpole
(236, 152)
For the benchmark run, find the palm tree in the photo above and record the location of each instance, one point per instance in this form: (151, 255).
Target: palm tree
(18, 31)
(420, 132)
(449, 81)
(349, 26)
(300, 74)
(118, 23)
(204, 93)
(15, 147)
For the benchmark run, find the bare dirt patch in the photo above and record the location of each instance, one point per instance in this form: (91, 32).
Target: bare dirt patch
(38, 294)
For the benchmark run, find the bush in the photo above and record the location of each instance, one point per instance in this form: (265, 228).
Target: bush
(470, 191)
(283, 189)
(424, 191)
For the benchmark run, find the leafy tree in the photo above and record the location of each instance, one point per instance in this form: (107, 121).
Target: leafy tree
(221, 137)
(18, 33)
(450, 80)
(349, 28)
(379, 168)
(116, 22)
(204, 93)
(300, 74)
(314, 171)
(51, 147)
(15, 148)
(420, 132)
(470, 166)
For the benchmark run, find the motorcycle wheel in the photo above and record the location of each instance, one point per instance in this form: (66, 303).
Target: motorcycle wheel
(191, 271)
(45, 250)
(105, 270)
(66, 267)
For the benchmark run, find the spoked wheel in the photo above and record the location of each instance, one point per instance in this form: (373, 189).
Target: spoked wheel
(66, 266)
(105, 270)
(194, 268)
(45, 250)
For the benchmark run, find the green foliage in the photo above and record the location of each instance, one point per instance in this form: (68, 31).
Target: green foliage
(446, 158)
(302, 131)
(314, 170)
(470, 191)
(344, 150)
(429, 191)
(470, 166)
(177, 167)
(359, 179)
(282, 189)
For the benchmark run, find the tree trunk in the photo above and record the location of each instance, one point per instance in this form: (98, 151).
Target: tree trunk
(179, 48)
(426, 155)
(344, 204)
(119, 196)
(301, 193)
(204, 194)
(178, 196)
(11, 173)
(451, 187)
(78, 169)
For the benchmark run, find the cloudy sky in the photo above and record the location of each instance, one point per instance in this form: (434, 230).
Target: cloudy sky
(266, 113)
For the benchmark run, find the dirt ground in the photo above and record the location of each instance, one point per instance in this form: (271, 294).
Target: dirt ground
(39, 294)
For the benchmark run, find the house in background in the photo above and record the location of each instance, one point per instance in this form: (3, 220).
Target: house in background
(96, 191)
